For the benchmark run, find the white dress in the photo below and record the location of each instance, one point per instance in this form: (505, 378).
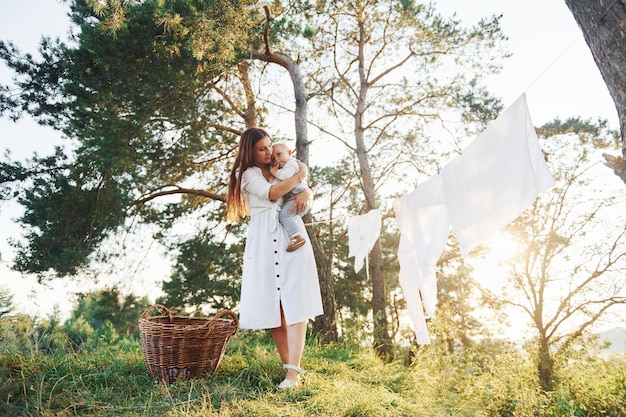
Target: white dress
(272, 276)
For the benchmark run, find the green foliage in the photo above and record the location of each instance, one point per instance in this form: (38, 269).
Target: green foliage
(108, 313)
(79, 331)
(457, 292)
(67, 217)
(101, 317)
(494, 379)
(596, 132)
(19, 333)
(141, 109)
(206, 273)
(6, 301)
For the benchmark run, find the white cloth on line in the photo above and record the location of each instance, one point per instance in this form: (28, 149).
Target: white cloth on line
(424, 225)
(423, 219)
(410, 287)
(495, 178)
(363, 231)
(489, 185)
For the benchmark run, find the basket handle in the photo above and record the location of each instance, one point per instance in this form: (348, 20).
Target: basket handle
(213, 321)
(164, 311)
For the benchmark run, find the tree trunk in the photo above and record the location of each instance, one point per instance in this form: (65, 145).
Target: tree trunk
(545, 366)
(250, 114)
(326, 325)
(382, 341)
(603, 23)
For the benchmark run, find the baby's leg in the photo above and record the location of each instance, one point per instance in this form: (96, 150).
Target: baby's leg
(288, 220)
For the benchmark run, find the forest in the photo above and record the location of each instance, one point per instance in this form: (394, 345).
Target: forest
(151, 97)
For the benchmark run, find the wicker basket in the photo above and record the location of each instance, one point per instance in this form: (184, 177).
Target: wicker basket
(184, 347)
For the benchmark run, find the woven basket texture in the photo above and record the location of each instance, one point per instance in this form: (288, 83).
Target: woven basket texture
(177, 347)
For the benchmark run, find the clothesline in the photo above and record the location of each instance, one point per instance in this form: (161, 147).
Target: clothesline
(480, 191)
(418, 251)
(346, 217)
(558, 57)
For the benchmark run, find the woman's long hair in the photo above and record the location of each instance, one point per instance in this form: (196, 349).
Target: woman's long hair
(235, 206)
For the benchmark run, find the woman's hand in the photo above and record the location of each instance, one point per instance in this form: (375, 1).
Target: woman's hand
(301, 201)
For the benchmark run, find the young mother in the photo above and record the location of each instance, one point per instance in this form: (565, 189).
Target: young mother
(279, 289)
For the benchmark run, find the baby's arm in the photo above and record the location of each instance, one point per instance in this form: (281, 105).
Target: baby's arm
(274, 170)
(288, 170)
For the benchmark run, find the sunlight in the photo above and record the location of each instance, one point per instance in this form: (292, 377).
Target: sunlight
(491, 273)
(488, 270)
(501, 247)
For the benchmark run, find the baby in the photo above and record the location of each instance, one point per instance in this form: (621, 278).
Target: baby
(283, 167)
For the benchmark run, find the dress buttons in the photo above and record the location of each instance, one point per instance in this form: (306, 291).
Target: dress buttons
(278, 288)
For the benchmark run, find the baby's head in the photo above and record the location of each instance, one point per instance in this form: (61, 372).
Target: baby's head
(280, 153)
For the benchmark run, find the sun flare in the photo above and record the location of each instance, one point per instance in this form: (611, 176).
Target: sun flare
(501, 247)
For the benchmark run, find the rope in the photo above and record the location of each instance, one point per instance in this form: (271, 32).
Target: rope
(594, 25)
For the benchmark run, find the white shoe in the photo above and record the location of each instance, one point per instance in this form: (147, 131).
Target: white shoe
(288, 383)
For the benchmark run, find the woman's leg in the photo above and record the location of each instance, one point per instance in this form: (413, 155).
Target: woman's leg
(289, 342)
(296, 335)
(279, 334)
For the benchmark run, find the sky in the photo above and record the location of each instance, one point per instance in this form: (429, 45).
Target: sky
(551, 63)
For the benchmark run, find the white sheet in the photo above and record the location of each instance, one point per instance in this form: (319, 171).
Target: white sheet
(495, 178)
(489, 185)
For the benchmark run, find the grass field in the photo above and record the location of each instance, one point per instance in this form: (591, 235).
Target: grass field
(111, 379)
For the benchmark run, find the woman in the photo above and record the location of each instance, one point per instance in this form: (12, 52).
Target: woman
(279, 289)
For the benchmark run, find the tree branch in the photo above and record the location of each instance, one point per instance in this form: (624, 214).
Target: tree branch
(177, 190)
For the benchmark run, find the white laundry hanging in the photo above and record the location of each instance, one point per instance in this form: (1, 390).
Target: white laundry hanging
(362, 234)
(409, 282)
(495, 178)
(423, 219)
(424, 225)
(489, 185)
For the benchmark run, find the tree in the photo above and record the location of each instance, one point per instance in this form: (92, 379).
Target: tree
(206, 273)
(155, 93)
(108, 307)
(142, 104)
(568, 273)
(602, 24)
(6, 302)
(382, 74)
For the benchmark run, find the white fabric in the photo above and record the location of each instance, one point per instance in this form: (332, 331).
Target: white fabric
(423, 220)
(362, 234)
(489, 185)
(288, 170)
(272, 276)
(495, 178)
(424, 225)
(410, 287)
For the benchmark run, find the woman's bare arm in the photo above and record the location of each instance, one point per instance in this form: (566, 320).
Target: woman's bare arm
(280, 189)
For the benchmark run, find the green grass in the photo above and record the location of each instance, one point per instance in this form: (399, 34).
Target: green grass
(112, 380)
